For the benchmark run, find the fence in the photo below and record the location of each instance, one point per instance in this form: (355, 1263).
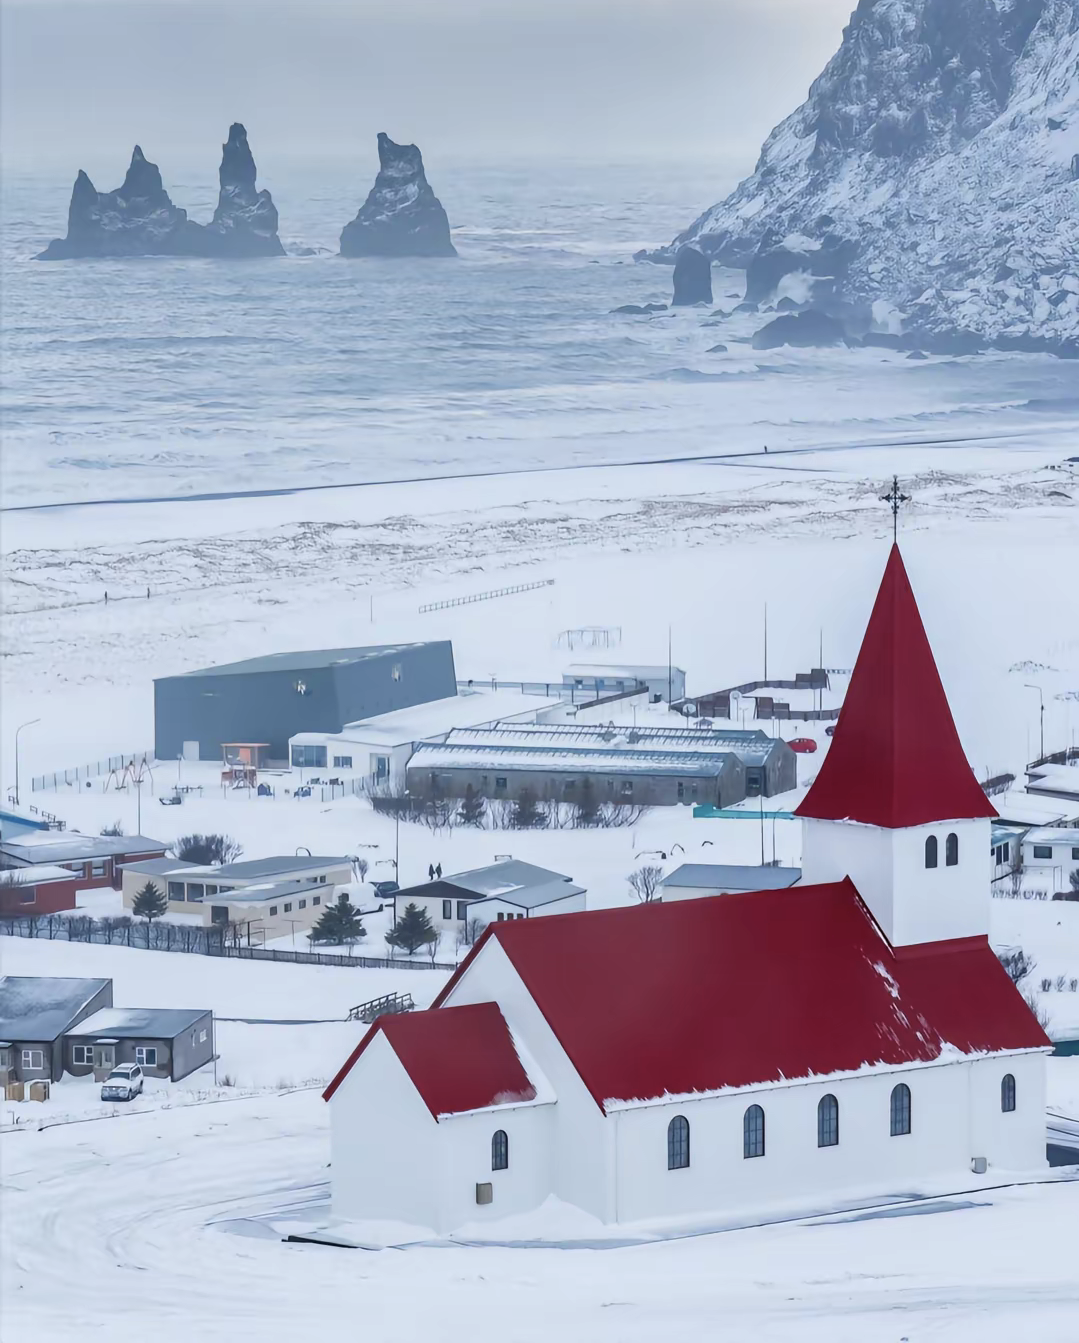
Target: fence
(486, 596)
(190, 938)
(67, 778)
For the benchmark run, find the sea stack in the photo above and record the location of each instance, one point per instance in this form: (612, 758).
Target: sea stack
(137, 219)
(245, 221)
(401, 216)
(692, 278)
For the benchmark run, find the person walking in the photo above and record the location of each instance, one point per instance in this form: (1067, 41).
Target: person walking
(431, 872)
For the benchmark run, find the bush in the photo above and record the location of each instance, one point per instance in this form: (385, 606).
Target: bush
(206, 850)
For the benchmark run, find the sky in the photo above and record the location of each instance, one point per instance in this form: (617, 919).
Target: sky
(494, 80)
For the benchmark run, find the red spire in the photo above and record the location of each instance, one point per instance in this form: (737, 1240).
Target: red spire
(896, 759)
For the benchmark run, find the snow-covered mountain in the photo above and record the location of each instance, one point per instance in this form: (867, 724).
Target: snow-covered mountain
(931, 178)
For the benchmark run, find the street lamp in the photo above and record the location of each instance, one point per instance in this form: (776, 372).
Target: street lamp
(17, 731)
(1041, 719)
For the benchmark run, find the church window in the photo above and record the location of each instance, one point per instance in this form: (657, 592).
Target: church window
(828, 1122)
(753, 1132)
(1007, 1093)
(678, 1143)
(931, 851)
(951, 850)
(500, 1150)
(900, 1110)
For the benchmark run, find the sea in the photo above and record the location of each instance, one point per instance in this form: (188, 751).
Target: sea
(161, 378)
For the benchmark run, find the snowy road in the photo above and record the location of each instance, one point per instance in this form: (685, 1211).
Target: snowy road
(134, 1228)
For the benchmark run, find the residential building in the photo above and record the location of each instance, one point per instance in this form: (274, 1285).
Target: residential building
(247, 711)
(510, 889)
(663, 683)
(96, 860)
(1057, 777)
(163, 1041)
(36, 1012)
(1053, 853)
(377, 750)
(42, 889)
(675, 1060)
(692, 881)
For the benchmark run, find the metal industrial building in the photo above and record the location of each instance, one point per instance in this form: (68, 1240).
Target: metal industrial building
(255, 706)
(651, 766)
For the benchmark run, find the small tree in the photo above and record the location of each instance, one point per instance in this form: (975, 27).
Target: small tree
(588, 806)
(1073, 880)
(645, 883)
(339, 924)
(206, 850)
(149, 904)
(115, 829)
(473, 808)
(412, 930)
(360, 867)
(527, 814)
(1017, 964)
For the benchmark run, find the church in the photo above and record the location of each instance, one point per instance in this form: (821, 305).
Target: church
(850, 1035)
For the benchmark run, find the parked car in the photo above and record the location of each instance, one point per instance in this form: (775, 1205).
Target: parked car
(385, 888)
(803, 745)
(123, 1083)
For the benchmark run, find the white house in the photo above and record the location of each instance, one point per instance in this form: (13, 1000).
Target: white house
(849, 1035)
(600, 679)
(693, 881)
(1052, 852)
(509, 889)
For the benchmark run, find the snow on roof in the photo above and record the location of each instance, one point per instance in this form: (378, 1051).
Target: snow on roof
(896, 759)
(27, 876)
(141, 1023)
(308, 660)
(63, 846)
(1055, 779)
(751, 745)
(1017, 808)
(705, 875)
(459, 1059)
(450, 756)
(40, 1008)
(1053, 834)
(753, 988)
(509, 875)
(468, 709)
(160, 867)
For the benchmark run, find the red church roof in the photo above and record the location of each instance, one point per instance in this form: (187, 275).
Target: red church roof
(746, 989)
(896, 759)
(461, 1058)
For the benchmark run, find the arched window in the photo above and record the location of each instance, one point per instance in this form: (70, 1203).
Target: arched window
(500, 1151)
(678, 1143)
(753, 1132)
(951, 851)
(828, 1122)
(900, 1109)
(1007, 1093)
(931, 851)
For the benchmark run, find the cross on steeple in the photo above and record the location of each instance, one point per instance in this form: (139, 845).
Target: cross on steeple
(895, 498)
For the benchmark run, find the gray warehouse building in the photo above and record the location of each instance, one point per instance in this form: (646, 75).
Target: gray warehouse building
(649, 766)
(258, 704)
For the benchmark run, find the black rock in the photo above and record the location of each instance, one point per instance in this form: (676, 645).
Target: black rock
(717, 349)
(245, 221)
(692, 278)
(787, 305)
(640, 309)
(917, 354)
(745, 307)
(810, 328)
(883, 340)
(401, 216)
(954, 340)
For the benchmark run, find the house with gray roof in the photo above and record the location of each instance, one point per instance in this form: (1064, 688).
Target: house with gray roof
(163, 1041)
(691, 881)
(36, 1013)
(509, 889)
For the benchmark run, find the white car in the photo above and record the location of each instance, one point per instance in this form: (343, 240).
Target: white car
(123, 1083)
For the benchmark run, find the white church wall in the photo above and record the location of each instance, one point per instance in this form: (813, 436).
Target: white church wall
(582, 1151)
(522, 1186)
(385, 1146)
(1009, 1140)
(912, 903)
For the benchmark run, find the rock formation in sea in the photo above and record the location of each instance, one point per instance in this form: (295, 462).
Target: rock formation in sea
(807, 329)
(930, 179)
(401, 215)
(692, 278)
(139, 219)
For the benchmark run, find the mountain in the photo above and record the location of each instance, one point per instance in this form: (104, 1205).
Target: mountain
(930, 181)
(401, 216)
(139, 218)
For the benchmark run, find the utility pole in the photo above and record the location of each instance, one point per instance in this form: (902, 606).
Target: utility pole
(1041, 719)
(766, 641)
(670, 668)
(17, 731)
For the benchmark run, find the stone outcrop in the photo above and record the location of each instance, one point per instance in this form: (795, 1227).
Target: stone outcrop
(139, 218)
(402, 215)
(806, 329)
(692, 278)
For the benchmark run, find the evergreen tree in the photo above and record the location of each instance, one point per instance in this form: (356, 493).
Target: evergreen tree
(339, 924)
(526, 813)
(473, 808)
(588, 806)
(149, 904)
(412, 930)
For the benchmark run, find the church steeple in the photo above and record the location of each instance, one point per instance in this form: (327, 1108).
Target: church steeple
(896, 759)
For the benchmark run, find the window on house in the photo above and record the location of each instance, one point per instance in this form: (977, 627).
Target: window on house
(678, 1143)
(342, 762)
(1043, 850)
(500, 781)
(900, 1110)
(951, 851)
(33, 1059)
(302, 904)
(146, 1056)
(322, 879)
(316, 899)
(828, 1122)
(273, 911)
(202, 1037)
(195, 890)
(500, 1151)
(27, 895)
(212, 890)
(462, 910)
(97, 867)
(931, 851)
(447, 909)
(681, 791)
(82, 1056)
(1007, 1093)
(176, 890)
(627, 788)
(309, 757)
(1075, 855)
(501, 917)
(288, 908)
(753, 1132)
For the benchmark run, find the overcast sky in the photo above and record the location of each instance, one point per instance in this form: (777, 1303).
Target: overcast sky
(82, 80)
